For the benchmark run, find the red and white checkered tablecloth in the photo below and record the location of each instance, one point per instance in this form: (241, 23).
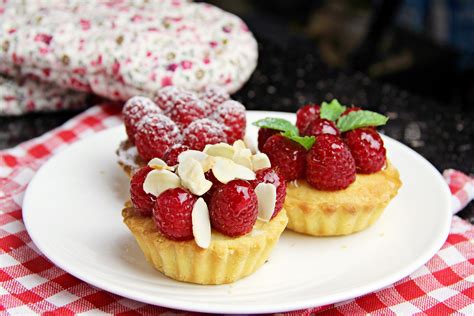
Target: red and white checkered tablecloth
(30, 283)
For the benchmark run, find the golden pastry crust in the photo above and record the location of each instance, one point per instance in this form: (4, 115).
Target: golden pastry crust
(225, 261)
(128, 157)
(343, 212)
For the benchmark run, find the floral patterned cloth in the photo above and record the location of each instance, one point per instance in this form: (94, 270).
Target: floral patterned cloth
(121, 48)
(27, 95)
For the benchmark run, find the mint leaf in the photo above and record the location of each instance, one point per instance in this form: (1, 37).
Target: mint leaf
(332, 111)
(276, 123)
(359, 119)
(305, 141)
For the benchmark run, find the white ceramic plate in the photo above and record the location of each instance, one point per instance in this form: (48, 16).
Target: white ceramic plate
(72, 211)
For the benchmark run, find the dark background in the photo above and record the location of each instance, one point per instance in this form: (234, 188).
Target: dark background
(412, 60)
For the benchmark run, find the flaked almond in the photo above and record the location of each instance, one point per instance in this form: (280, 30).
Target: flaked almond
(158, 181)
(239, 145)
(243, 157)
(201, 224)
(250, 143)
(266, 197)
(223, 170)
(157, 163)
(198, 155)
(226, 170)
(192, 176)
(260, 161)
(220, 150)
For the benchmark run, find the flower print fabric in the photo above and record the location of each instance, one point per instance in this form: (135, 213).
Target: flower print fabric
(121, 48)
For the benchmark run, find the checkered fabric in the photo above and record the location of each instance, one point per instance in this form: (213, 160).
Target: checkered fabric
(30, 283)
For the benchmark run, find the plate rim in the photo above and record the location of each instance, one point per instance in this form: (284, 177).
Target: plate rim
(281, 307)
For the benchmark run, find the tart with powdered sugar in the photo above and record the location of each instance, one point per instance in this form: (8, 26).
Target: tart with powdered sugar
(175, 121)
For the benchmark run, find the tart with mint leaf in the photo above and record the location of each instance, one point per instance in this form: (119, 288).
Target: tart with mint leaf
(339, 180)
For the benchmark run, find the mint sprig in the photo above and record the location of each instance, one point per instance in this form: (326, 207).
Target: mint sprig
(358, 119)
(277, 124)
(332, 111)
(305, 141)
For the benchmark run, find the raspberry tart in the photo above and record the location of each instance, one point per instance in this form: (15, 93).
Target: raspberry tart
(339, 179)
(178, 119)
(211, 218)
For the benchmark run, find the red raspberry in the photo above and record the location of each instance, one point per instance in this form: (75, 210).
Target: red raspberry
(367, 148)
(321, 126)
(155, 134)
(202, 132)
(183, 113)
(172, 214)
(351, 109)
(133, 110)
(215, 185)
(142, 202)
(214, 96)
(232, 115)
(169, 96)
(171, 155)
(263, 135)
(306, 115)
(330, 165)
(233, 210)
(286, 156)
(270, 175)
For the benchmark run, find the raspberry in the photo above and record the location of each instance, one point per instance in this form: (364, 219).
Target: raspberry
(133, 110)
(215, 185)
(367, 148)
(233, 209)
(155, 134)
(306, 115)
(269, 175)
(232, 115)
(263, 135)
(214, 96)
(330, 165)
(286, 156)
(171, 155)
(351, 109)
(202, 132)
(142, 202)
(321, 126)
(172, 214)
(168, 97)
(183, 113)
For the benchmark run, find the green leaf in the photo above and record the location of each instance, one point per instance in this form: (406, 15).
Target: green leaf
(305, 141)
(276, 123)
(332, 111)
(359, 119)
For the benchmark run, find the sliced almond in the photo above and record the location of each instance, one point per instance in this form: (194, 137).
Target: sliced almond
(192, 176)
(157, 163)
(220, 150)
(266, 197)
(158, 181)
(243, 157)
(244, 173)
(239, 145)
(198, 155)
(223, 170)
(260, 161)
(201, 224)
(250, 143)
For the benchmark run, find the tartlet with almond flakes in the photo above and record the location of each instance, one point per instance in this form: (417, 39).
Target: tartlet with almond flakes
(212, 217)
(175, 121)
(334, 161)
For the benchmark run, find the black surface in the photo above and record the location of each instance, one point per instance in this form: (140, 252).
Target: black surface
(290, 74)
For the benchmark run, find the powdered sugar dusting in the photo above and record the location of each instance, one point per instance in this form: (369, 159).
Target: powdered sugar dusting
(373, 143)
